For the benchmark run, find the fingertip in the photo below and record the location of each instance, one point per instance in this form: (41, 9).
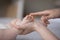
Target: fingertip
(27, 15)
(31, 17)
(33, 14)
(44, 20)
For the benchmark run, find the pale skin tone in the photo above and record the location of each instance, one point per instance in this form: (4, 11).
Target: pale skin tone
(50, 14)
(14, 29)
(41, 29)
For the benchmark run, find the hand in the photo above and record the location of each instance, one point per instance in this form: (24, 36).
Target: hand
(42, 29)
(41, 23)
(28, 23)
(15, 24)
(49, 14)
(44, 20)
(25, 26)
(53, 13)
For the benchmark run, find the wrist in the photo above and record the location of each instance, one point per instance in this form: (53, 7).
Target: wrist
(38, 28)
(14, 29)
(41, 30)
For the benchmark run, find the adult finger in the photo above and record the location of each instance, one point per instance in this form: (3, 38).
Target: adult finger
(43, 13)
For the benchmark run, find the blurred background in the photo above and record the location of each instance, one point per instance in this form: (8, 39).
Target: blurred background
(20, 8)
(11, 9)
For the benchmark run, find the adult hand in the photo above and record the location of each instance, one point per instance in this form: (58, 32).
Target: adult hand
(52, 13)
(24, 26)
(28, 23)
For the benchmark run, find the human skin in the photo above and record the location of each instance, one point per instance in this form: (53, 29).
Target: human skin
(14, 29)
(50, 14)
(7, 34)
(40, 27)
(26, 23)
(45, 33)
